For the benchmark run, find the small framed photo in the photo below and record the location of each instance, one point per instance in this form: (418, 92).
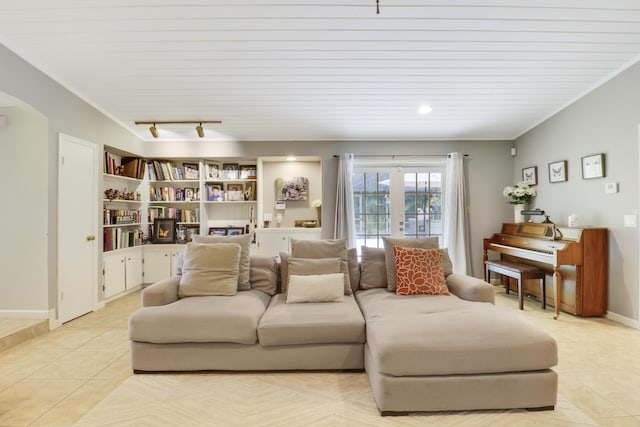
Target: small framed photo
(530, 175)
(558, 171)
(164, 230)
(593, 166)
(235, 192)
(191, 171)
(190, 231)
(217, 231)
(235, 231)
(248, 172)
(189, 195)
(213, 170)
(215, 193)
(250, 191)
(230, 170)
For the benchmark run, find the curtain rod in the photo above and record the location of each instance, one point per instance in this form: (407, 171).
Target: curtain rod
(395, 156)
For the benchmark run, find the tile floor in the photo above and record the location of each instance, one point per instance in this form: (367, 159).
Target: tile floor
(56, 378)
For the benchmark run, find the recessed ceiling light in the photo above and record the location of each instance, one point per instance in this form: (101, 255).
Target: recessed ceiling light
(291, 158)
(424, 109)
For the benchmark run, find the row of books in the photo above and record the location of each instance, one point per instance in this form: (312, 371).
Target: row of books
(120, 216)
(165, 170)
(131, 167)
(174, 194)
(118, 238)
(180, 215)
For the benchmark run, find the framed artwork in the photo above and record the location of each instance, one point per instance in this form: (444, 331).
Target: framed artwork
(230, 170)
(217, 231)
(235, 231)
(248, 172)
(530, 175)
(593, 166)
(235, 192)
(292, 188)
(164, 230)
(189, 195)
(250, 191)
(213, 170)
(190, 230)
(558, 171)
(215, 193)
(191, 171)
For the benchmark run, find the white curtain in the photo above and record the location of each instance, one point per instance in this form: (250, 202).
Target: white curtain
(456, 228)
(345, 223)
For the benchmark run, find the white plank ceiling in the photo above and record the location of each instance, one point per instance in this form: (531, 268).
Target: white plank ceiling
(314, 70)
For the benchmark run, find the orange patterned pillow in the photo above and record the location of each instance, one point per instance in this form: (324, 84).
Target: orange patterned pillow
(419, 271)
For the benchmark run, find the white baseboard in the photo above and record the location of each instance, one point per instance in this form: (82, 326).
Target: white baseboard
(25, 314)
(53, 320)
(623, 319)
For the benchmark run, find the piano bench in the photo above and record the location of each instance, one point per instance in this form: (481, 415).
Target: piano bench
(519, 272)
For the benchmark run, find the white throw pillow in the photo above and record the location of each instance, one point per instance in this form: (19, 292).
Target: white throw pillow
(210, 269)
(316, 288)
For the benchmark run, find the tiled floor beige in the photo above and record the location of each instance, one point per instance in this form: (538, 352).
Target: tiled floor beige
(80, 374)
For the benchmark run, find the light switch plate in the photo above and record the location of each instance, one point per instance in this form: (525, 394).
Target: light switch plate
(611, 188)
(631, 221)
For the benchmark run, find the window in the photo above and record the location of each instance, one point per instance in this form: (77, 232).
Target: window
(399, 201)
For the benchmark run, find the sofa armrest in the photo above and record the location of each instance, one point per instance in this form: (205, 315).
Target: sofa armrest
(470, 288)
(162, 292)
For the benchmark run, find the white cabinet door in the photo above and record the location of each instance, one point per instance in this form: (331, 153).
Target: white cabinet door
(133, 268)
(272, 241)
(157, 265)
(114, 274)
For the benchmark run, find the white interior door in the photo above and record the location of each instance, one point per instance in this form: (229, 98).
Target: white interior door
(78, 244)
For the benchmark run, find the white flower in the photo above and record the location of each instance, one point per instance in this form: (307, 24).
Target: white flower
(507, 191)
(316, 203)
(520, 193)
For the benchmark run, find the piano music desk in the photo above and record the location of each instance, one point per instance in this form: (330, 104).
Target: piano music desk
(519, 272)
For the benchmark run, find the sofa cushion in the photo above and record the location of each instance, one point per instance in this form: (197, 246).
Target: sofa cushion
(354, 268)
(209, 270)
(419, 271)
(312, 323)
(303, 267)
(373, 270)
(244, 240)
(444, 335)
(228, 319)
(263, 274)
(325, 249)
(315, 288)
(390, 242)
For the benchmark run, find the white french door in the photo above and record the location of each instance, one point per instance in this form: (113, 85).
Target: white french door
(398, 201)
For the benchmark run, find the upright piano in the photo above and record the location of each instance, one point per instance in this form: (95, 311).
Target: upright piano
(576, 259)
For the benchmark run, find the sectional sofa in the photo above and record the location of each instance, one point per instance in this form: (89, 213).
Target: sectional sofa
(453, 351)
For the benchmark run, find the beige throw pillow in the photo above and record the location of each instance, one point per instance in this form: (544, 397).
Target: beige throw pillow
(316, 288)
(316, 249)
(244, 240)
(305, 267)
(209, 269)
(263, 274)
(373, 269)
(390, 242)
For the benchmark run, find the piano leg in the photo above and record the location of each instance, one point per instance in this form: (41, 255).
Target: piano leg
(557, 283)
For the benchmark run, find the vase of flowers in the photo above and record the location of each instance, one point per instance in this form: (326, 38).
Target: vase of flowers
(318, 205)
(520, 195)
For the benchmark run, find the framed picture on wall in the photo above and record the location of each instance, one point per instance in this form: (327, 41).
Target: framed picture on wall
(593, 166)
(558, 171)
(530, 175)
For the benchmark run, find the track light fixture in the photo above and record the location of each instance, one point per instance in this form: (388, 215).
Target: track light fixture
(199, 129)
(154, 130)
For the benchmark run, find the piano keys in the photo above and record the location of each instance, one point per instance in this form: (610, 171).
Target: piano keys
(576, 259)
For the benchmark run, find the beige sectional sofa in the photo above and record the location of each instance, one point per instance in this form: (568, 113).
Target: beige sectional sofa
(421, 352)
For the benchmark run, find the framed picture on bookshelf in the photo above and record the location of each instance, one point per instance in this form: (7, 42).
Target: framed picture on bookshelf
(213, 170)
(235, 231)
(189, 195)
(215, 193)
(191, 171)
(164, 230)
(250, 191)
(230, 170)
(190, 230)
(217, 231)
(248, 172)
(235, 192)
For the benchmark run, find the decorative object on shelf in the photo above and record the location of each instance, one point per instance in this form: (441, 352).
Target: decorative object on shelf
(213, 170)
(230, 170)
(164, 230)
(593, 166)
(217, 231)
(113, 194)
(558, 171)
(215, 193)
(191, 171)
(572, 221)
(235, 231)
(530, 175)
(292, 188)
(248, 172)
(520, 194)
(318, 205)
(234, 192)
(250, 191)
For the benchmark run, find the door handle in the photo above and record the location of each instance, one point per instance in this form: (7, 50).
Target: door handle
(91, 237)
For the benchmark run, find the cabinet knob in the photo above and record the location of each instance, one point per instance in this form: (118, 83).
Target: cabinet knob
(91, 237)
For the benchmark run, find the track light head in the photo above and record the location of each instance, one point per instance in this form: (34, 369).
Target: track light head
(154, 130)
(200, 130)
